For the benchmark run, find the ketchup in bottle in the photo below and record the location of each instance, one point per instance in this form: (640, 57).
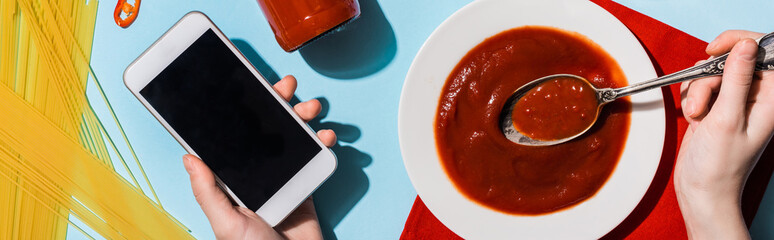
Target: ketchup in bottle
(298, 22)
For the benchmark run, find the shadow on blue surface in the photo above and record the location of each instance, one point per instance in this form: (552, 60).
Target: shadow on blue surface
(256, 60)
(358, 49)
(339, 194)
(348, 184)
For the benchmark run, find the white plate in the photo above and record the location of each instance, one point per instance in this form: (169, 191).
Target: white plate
(421, 93)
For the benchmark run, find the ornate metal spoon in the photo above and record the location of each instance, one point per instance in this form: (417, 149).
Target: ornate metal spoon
(765, 61)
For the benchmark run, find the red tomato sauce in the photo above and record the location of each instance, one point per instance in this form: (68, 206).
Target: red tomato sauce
(501, 175)
(296, 22)
(566, 104)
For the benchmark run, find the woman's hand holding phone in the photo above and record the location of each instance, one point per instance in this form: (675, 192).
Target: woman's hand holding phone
(235, 222)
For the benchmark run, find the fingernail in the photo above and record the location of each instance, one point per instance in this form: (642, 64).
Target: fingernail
(189, 166)
(688, 107)
(711, 46)
(748, 57)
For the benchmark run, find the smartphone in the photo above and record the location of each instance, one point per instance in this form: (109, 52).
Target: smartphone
(218, 107)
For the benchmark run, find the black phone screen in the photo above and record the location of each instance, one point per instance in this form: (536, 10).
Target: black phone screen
(217, 106)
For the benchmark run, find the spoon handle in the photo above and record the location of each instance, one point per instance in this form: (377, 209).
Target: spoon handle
(765, 61)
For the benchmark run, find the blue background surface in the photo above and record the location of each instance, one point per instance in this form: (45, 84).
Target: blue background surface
(357, 73)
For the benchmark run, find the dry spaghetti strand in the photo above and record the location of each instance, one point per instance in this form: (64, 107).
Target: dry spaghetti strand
(55, 160)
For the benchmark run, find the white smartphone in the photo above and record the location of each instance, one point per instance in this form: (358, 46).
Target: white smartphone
(217, 105)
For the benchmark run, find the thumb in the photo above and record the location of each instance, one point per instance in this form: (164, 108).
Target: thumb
(211, 199)
(737, 80)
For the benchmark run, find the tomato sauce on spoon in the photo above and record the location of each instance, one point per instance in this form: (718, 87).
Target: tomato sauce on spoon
(559, 108)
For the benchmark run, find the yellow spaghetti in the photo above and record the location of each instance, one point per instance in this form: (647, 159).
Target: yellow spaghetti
(55, 160)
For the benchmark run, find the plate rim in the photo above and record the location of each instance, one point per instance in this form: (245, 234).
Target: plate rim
(403, 106)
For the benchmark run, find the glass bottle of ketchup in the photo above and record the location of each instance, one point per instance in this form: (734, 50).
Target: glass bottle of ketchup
(298, 22)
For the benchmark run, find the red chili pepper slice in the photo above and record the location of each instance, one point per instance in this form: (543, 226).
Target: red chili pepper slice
(130, 10)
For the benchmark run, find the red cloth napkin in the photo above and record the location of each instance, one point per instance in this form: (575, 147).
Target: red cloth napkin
(657, 216)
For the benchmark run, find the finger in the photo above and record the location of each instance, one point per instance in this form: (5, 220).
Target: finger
(685, 85)
(737, 78)
(726, 40)
(302, 223)
(286, 87)
(698, 96)
(252, 215)
(308, 110)
(700, 62)
(761, 88)
(259, 227)
(684, 90)
(327, 137)
(211, 199)
(761, 110)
